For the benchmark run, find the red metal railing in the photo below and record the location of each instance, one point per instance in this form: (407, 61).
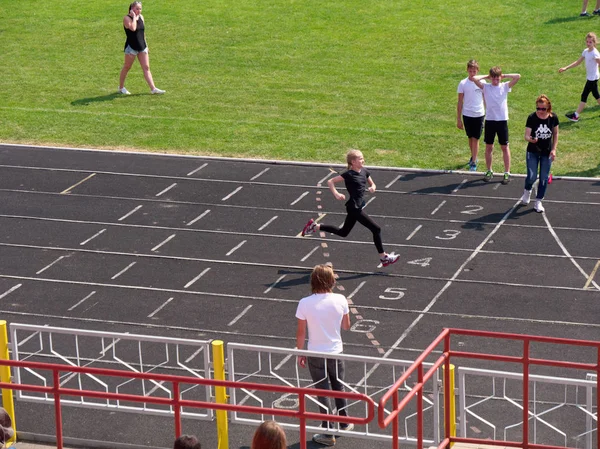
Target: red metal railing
(176, 402)
(445, 359)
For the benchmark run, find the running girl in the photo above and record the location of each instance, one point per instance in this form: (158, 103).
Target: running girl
(356, 179)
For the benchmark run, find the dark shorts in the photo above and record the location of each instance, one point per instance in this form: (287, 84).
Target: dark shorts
(590, 87)
(493, 128)
(473, 126)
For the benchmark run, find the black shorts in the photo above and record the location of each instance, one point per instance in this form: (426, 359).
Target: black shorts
(473, 126)
(590, 87)
(493, 127)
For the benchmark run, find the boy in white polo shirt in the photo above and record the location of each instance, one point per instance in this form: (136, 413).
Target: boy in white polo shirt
(496, 117)
(470, 111)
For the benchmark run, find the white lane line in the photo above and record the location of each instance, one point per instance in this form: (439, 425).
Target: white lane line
(105, 349)
(92, 237)
(268, 223)
(566, 252)
(299, 198)
(199, 217)
(232, 193)
(236, 248)
(162, 306)
(311, 252)
(75, 185)
(130, 213)
(198, 169)
(123, 270)
(412, 234)
(460, 185)
(49, 265)
(163, 242)
(319, 182)
(451, 280)
(196, 278)
(81, 301)
(438, 208)
(361, 285)
(275, 283)
(167, 189)
(194, 354)
(593, 193)
(283, 362)
(260, 174)
(497, 186)
(235, 320)
(393, 181)
(370, 201)
(9, 291)
(589, 281)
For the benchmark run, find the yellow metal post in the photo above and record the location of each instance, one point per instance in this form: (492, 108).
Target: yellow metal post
(452, 410)
(7, 395)
(220, 394)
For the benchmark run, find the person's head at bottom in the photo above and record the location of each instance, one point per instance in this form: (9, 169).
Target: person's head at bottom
(269, 435)
(187, 442)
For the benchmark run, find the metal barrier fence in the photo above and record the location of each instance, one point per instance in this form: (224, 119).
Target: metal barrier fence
(371, 376)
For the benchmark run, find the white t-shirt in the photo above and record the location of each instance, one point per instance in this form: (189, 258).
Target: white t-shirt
(323, 313)
(591, 66)
(496, 101)
(472, 98)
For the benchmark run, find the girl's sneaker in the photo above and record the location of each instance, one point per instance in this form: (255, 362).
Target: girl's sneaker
(389, 259)
(309, 228)
(526, 197)
(539, 207)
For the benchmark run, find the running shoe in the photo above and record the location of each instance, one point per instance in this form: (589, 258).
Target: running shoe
(539, 207)
(572, 116)
(157, 91)
(596, 12)
(327, 440)
(506, 178)
(123, 91)
(347, 427)
(309, 228)
(389, 259)
(585, 14)
(488, 176)
(526, 197)
(473, 166)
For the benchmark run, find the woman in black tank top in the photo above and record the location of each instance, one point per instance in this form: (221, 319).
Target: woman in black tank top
(135, 45)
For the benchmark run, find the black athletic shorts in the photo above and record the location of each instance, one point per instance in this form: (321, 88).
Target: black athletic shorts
(493, 128)
(473, 126)
(590, 87)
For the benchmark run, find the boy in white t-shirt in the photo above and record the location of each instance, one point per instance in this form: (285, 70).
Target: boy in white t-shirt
(470, 111)
(496, 117)
(591, 56)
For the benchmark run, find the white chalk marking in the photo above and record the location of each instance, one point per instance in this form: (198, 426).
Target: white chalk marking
(259, 174)
(163, 242)
(412, 234)
(123, 270)
(240, 315)
(75, 185)
(49, 265)
(232, 193)
(236, 248)
(9, 291)
(393, 181)
(370, 201)
(268, 223)
(283, 362)
(167, 189)
(460, 185)
(328, 175)
(160, 307)
(190, 358)
(299, 198)
(361, 285)
(589, 281)
(199, 217)
(81, 301)
(92, 237)
(311, 252)
(438, 208)
(130, 213)
(206, 270)
(198, 169)
(275, 283)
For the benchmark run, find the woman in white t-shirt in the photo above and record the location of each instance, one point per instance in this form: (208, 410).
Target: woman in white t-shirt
(324, 314)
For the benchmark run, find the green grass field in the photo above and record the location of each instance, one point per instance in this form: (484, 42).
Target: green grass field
(291, 79)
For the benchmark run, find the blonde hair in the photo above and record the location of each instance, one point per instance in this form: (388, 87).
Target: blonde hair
(322, 279)
(269, 435)
(351, 156)
(592, 36)
(544, 99)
